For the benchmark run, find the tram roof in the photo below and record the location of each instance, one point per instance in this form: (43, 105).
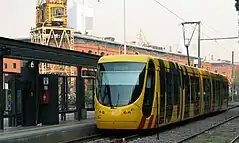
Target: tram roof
(145, 58)
(126, 58)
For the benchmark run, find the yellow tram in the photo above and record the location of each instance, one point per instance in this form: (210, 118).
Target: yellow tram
(143, 92)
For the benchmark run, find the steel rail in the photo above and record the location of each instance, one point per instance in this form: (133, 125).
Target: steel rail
(234, 139)
(213, 127)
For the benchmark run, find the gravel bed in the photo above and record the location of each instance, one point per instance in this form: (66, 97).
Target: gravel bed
(222, 134)
(179, 133)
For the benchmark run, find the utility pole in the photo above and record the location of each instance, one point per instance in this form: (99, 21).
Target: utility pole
(124, 9)
(237, 9)
(199, 44)
(189, 40)
(83, 17)
(125, 27)
(232, 76)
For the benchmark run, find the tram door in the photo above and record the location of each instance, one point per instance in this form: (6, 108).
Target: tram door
(162, 91)
(149, 90)
(187, 94)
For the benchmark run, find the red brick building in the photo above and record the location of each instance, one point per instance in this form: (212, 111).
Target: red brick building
(11, 65)
(223, 67)
(100, 46)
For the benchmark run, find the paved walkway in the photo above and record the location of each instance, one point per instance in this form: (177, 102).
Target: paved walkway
(69, 117)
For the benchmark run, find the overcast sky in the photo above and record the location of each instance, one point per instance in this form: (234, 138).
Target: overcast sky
(218, 17)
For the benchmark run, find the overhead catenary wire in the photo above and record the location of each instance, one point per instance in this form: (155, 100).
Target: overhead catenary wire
(210, 27)
(179, 17)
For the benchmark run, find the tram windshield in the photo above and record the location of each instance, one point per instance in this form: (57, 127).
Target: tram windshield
(120, 83)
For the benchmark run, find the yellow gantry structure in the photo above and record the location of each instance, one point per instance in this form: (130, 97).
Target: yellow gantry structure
(51, 29)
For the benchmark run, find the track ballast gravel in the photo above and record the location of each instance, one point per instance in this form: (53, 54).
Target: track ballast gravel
(182, 132)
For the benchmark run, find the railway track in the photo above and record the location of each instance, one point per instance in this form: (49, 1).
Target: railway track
(101, 137)
(234, 140)
(211, 128)
(125, 139)
(184, 131)
(86, 138)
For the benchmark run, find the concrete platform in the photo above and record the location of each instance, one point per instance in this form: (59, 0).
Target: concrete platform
(64, 131)
(69, 117)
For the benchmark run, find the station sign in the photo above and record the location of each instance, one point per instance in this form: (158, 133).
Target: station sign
(88, 73)
(45, 83)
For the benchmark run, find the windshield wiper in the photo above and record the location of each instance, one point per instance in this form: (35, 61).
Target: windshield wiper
(117, 99)
(107, 92)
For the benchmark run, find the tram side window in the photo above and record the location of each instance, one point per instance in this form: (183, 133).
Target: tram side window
(181, 78)
(162, 91)
(162, 82)
(222, 90)
(197, 88)
(227, 90)
(204, 90)
(193, 96)
(207, 90)
(176, 80)
(187, 89)
(214, 90)
(219, 90)
(170, 90)
(224, 96)
(179, 72)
